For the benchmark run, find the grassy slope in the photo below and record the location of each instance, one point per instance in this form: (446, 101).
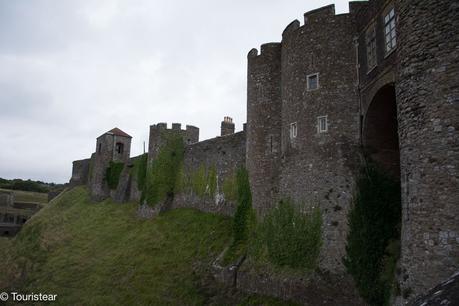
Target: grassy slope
(101, 254)
(29, 196)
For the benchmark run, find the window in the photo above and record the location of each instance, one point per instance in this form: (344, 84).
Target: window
(99, 149)
(322, 124)
(293, 130)
(370, 38)
(313, 81)
(389, 30)
(119, 147)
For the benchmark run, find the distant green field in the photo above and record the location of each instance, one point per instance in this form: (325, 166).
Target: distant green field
(102, 254)
(29, 196)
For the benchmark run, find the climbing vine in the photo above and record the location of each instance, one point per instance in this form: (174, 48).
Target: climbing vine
(112, 174)
(292, 238)
(373, 241)
(139, 171)
(229, 187)
(163, 172)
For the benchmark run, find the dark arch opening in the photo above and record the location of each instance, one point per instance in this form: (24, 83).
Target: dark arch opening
(380, 133)
(119, 147)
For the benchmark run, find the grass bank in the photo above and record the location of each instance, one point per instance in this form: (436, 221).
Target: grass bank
(102, 254)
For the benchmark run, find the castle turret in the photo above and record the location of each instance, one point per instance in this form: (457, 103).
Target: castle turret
(159, 132)
(320, 122)
(114, 145)
(227, 127)
(427, 103)
(263, 124)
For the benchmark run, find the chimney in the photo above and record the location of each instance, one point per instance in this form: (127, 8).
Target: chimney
(227, 127)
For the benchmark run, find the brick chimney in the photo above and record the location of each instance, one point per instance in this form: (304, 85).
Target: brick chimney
(227, 127)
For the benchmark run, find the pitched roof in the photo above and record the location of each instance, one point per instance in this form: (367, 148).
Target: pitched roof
(116, 131)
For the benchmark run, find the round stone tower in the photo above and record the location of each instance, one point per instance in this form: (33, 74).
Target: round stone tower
(427, 101)
(263, 124)
(320, 122)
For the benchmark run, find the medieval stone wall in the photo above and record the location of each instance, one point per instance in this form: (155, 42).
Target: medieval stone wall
(428, 119)
(106, 151)
(80, 172)
(263, 124)
(319, 166)
(316, 166)
(159, 133)
(226, 154)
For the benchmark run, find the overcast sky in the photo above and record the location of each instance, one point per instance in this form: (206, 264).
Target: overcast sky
(72, 70)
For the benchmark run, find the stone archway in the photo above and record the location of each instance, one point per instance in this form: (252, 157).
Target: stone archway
(380, 131)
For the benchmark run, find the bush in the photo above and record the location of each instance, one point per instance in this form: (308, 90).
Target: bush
(374, 231)
(292, 238)
(163, 173)
(112, 174)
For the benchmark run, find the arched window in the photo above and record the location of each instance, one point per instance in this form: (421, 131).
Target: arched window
(119, 147)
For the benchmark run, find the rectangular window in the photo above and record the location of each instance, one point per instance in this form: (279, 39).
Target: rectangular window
(370, 38)
(322, 124)
(389, 30)
(313, 81)
(293, 130)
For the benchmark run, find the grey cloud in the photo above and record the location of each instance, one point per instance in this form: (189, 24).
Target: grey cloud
(71, 70)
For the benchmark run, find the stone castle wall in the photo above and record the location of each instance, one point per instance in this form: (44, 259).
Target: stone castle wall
(226, 154)
(319, 168)
(80, 172)
(428, 117)
(264, 124)
(419, 77)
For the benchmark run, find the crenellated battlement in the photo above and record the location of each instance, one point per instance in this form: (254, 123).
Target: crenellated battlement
(267, 51)
(318, 105)
(174, 127)
(292, 27)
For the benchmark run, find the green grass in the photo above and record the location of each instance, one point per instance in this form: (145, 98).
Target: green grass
(101, 254)
(29, 196)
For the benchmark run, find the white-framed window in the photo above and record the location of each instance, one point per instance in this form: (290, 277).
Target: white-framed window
(312, 81)
(389, 30)
(322, 124)
(370, 39)
(293, 130)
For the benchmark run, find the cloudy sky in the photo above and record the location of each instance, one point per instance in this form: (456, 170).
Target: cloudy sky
(72, 70)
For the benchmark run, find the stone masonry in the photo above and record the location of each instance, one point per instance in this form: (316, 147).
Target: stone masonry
(380, 82)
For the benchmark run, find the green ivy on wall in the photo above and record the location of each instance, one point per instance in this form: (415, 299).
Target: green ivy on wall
(202, 181)
(112, 174)
(229, 188)
(292, 238)
(373, 246)
(139, 171)
(163, 172)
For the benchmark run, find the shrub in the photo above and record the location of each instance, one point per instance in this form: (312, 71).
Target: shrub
(163, 172)
(112, 174)
(292, 238)
(374, 229)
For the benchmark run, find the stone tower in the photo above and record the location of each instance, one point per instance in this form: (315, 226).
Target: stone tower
(264, 124)
(428, 116)
(159, 132)
(114, 145)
